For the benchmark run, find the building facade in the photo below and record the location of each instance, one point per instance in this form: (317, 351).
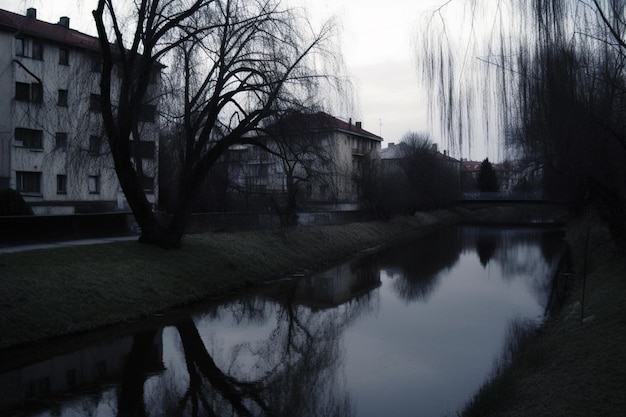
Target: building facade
(53, 148)
(325, 158)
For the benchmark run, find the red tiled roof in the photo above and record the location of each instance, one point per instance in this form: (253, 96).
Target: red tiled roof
(55, 32)
(324, 121)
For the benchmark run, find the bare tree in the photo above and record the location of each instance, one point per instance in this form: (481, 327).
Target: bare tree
(232, 63)
(303, 156)
(432, 178)
(413, 176)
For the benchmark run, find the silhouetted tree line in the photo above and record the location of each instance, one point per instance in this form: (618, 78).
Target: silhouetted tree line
(417, 177)
(556, 70)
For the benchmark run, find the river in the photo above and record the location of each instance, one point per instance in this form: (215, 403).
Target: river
(410, 331)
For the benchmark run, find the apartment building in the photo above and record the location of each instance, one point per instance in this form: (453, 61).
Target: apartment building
(53, 148)
(326, 158)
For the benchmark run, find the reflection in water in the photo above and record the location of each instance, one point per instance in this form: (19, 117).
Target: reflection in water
(413, 328)
(416, 268)
(511, 250)
(486, 245)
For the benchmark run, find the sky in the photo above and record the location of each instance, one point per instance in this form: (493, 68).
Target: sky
(378, 43)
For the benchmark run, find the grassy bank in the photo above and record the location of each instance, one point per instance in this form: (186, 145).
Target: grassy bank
(575, 365)
(54, 292)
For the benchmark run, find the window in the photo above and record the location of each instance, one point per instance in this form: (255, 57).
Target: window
(20, 46)
(64, 56)
(22, 91)
(94, 184)
(29, 92)
(36, 93)
(62, 99)
(60, 140)
(30, 138)
(37, 52)
(29, 48)
(28, 182)
(94, 145)
(95, 103)
(147, 113)
(61, 184)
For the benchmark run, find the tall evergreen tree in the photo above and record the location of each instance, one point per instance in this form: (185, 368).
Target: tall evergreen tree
(487, 181)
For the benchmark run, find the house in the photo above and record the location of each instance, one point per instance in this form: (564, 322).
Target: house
(318, 157)
(53, 149)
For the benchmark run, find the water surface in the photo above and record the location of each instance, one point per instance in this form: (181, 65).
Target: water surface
(411, 331)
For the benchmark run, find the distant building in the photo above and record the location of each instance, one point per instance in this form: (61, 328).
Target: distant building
(439, 173)
(327, 158)
(393, 154)
(471, 169)
(53, 148)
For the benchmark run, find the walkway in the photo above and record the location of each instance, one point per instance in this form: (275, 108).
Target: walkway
(50, 245)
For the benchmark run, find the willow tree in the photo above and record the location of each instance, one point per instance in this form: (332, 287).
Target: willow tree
(229, 65)
(547, 77)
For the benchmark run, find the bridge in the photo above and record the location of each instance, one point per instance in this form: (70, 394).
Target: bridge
(512, 209)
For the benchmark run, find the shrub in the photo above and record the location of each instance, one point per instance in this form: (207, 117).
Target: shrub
(12, 204)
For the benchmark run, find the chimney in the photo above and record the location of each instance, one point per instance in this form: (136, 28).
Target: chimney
(391, 145)
(31, 12)
(358, 125)
(65, 22)
(350, 123)
(434, 147)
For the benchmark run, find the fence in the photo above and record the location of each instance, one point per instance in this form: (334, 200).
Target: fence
(31, 229)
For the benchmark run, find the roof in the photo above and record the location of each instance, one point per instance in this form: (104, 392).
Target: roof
(321, 121)
(56, 32)
(398, 151)
(392, 151)
(475, 166)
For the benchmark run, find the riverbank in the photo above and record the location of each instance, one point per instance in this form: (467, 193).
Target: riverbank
(574, 365)
(54, 292)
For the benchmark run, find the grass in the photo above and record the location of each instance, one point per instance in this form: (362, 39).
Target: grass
(574, 365)
(54, 292)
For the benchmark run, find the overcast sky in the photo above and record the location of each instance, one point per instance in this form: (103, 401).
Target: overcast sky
(378, 43)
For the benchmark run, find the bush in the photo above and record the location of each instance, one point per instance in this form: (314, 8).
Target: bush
(12, 204)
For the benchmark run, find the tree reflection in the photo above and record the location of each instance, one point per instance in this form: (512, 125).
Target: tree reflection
(206, 378)
(486, 245)
(511, 249)
(130, 400)
(418, 266)
(294, 371)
